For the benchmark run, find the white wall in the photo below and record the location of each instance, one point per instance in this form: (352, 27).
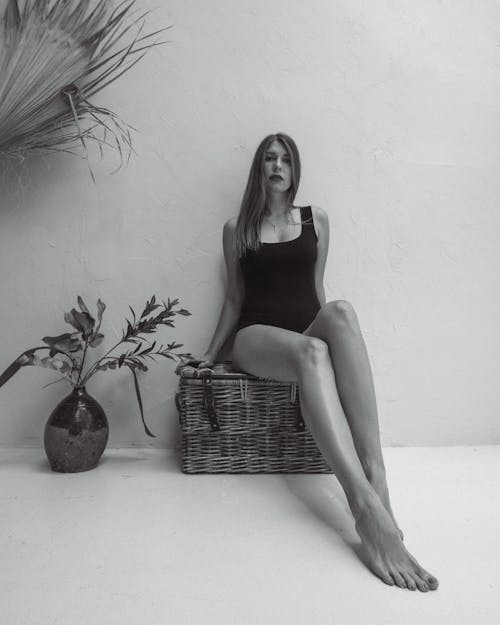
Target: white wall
(394, 106)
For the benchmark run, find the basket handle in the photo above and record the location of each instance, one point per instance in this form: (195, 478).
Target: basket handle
(208, 398)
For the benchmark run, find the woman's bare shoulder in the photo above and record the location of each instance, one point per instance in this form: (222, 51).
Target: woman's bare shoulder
(319, 214)
(230, 225)
(320, 219)
(229, 235)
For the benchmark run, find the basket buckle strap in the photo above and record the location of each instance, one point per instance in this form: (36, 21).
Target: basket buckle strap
(208, 399)
(243, 390)
(300, 426)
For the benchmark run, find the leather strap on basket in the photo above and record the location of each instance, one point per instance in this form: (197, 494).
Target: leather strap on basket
(300, 426)
(208, 398)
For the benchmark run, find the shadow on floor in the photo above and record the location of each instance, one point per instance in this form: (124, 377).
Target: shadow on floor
(324, 497)
(163, 460)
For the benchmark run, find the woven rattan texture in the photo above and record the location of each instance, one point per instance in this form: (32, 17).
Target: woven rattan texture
(260, 425)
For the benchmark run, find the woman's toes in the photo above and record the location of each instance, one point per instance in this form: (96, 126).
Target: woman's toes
(382, 572)
(421, 583)
(410, 582)
(431, 581)
(386, 578)
(399, 579)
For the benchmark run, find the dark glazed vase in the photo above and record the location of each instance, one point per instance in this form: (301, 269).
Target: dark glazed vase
(76, 433)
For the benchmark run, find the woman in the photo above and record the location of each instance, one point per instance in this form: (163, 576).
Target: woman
(275, 256)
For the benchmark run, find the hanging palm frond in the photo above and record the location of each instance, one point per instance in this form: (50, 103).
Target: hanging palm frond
(55, 55)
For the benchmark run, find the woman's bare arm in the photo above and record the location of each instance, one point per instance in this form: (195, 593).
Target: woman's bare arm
(323, 231)
(233, 298)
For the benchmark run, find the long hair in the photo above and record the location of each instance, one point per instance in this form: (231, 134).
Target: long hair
(254, 199)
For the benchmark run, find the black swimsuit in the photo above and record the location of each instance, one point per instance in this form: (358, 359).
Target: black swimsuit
(279, 281)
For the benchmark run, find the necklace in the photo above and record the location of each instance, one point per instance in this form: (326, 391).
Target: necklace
(282, 226)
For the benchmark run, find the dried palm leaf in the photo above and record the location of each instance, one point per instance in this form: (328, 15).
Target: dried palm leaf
(55, 55)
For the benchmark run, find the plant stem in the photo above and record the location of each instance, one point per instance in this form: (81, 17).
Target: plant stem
(93, 368)
(78, 381)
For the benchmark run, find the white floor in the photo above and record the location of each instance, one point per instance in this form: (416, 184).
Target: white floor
(136, 541)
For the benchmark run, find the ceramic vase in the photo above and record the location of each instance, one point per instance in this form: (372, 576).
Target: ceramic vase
(76, 433)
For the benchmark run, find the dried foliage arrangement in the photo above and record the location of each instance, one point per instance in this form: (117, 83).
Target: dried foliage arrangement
(55, 55)
(67, 352)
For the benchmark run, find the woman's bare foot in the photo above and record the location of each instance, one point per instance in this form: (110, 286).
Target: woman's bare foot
(377, 479)
(387, 555)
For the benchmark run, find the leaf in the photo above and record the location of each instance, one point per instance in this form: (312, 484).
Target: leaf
(70, 45)
(96, 340)
(58, 364)
(12, 17)
(62, 366)
(27, 358)
(83, 308)
(10, 371)
(130, 330)
(174, 345)
(81, 321)
(101, 307)
(184, 312)
(96, 337)
(69, 318)
(63, 343)
(148, 349)
(139, 400)
(150, 307)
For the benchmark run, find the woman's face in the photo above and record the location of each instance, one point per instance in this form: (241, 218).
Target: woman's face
(277, 167)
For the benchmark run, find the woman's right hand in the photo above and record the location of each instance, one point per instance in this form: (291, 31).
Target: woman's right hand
(205, 362)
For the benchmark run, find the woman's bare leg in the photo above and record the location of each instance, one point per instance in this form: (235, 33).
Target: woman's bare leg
(272, 352)
(338, 326)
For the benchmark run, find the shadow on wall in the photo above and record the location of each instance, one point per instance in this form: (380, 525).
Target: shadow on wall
(25, 180)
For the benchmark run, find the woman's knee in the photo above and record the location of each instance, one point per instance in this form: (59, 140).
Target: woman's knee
(339, 311)
(313, 352)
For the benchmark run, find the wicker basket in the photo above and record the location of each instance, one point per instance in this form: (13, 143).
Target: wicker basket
(233, 422)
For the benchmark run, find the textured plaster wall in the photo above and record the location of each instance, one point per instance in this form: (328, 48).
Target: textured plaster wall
(394, 106)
